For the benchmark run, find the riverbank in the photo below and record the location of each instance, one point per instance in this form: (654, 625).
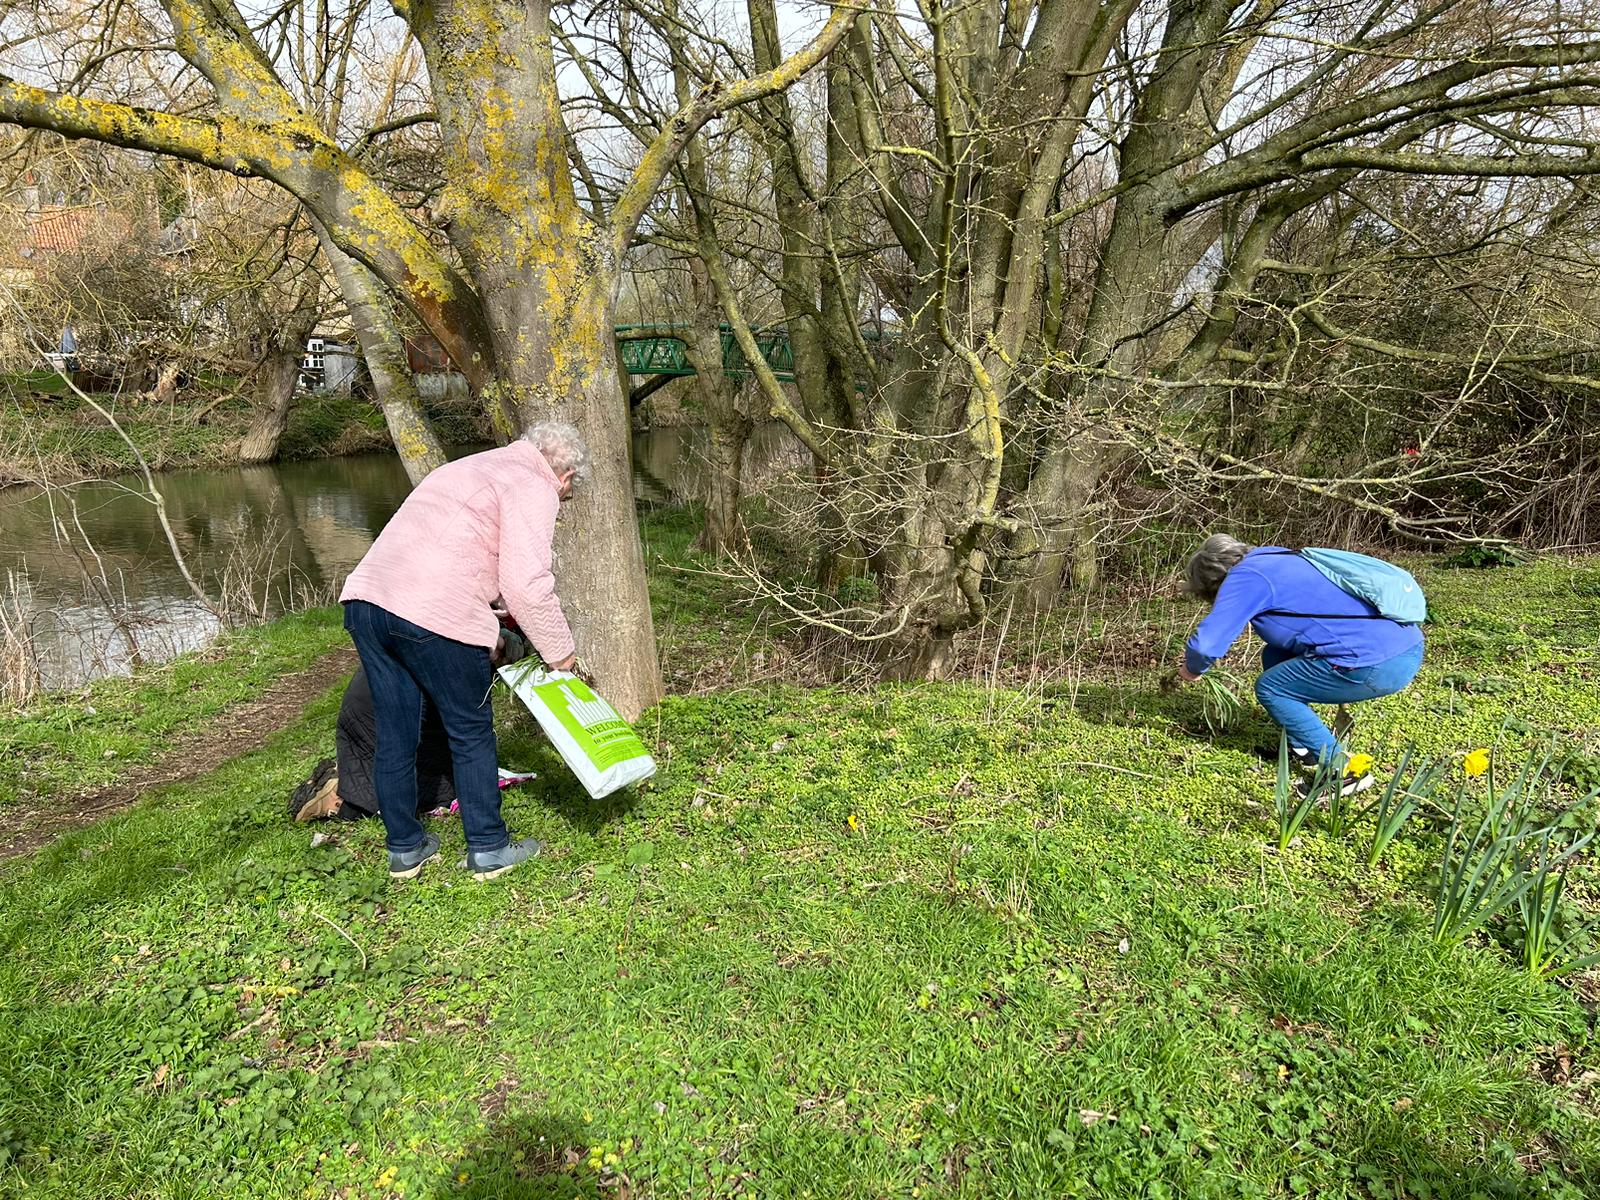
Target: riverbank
(47, 433)
(1025, 939)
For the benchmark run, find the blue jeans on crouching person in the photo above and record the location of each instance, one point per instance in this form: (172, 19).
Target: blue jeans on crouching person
(1289, 685)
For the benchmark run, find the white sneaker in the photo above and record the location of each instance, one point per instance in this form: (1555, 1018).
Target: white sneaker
(1351, 785)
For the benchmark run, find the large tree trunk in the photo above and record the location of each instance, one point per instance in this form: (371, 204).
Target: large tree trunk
(384, 351)
(274, 398)
(279, 372)
(275, 381)
(727, 423)
(1059, 534)
(1059, 544)
(919, 575)
(819, 318)
(723, 531)
(599, 559)
(549, 281)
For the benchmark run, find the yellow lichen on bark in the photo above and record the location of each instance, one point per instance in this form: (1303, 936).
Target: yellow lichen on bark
(376, 220)
(244, 84)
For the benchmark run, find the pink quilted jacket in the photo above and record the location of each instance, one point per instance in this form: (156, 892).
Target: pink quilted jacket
(472, 530)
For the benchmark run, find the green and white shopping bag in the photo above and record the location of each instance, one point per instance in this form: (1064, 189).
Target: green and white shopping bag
(600, 747)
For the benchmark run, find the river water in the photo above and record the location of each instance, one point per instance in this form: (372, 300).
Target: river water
(86, 573)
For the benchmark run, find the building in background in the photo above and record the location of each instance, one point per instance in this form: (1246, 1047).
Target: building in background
(329, 365)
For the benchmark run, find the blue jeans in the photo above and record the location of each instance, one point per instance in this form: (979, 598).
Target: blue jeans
(1289, 686)
(404, 663)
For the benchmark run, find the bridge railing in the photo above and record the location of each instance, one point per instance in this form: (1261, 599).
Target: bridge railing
(660, 350)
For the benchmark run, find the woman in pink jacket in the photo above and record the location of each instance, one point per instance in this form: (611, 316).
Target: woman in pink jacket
(417, 608)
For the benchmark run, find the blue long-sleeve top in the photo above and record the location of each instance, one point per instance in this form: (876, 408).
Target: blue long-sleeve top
(1264, 581)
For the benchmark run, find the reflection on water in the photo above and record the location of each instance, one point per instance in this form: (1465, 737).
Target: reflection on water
(670, 464)
(99, 587)
(89, 570)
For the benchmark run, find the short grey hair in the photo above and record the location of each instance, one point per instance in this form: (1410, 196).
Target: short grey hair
(1217, 555)
(562, 447)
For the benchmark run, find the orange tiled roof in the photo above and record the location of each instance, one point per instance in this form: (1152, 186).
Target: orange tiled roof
(66, 229)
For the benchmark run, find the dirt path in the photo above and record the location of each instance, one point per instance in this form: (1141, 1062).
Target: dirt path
(233, 732)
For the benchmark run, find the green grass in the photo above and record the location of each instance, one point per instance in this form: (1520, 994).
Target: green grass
(707, 631)
(72, 743)
(333, 423)
(936, 941)
(43, 381)
(66, 439)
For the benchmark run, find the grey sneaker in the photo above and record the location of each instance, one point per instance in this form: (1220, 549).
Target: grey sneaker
(486, 864)
(409, 864)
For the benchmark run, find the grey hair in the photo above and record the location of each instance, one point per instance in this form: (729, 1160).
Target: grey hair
(562, 447)
(1217, 555)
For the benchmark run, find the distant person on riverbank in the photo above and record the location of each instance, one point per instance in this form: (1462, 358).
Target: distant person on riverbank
(417, 608)
(342, 788)
(1324, 645)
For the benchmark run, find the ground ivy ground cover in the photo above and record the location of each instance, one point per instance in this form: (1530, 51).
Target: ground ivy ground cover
(918, 941)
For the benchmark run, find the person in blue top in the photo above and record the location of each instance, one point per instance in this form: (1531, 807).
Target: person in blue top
(1323, 645)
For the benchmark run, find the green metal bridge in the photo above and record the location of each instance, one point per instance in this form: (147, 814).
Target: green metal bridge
(657, 351)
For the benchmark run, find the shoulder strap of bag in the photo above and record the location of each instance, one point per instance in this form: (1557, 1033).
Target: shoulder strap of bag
(1284, 612)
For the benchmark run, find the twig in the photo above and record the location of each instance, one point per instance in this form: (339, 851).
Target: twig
(337, 928)
(266, 1014)
(1339, 942)
(1118, 770)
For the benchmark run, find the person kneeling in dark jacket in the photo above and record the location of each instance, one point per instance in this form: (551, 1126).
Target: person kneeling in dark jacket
(341, 788)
